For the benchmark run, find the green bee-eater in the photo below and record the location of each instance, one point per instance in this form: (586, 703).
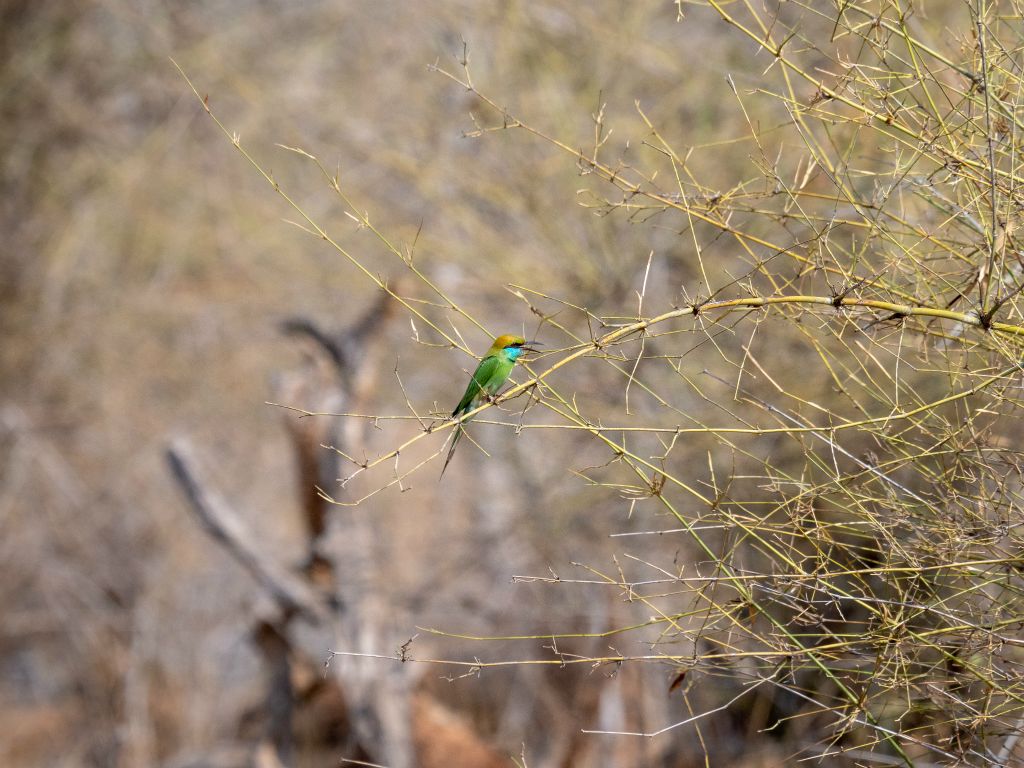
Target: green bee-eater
(492, 372)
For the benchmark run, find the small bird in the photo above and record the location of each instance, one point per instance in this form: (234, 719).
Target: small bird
(492, 372)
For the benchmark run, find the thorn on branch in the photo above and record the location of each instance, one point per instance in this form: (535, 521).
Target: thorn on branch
(778, 50)
(839, 297)
(403, 649)
(698, 306)
(819, 96)
(985, 318)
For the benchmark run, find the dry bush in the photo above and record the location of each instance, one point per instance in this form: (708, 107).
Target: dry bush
(823, 419)
(760, 498)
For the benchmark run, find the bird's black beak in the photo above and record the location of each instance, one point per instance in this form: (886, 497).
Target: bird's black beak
(527, 348)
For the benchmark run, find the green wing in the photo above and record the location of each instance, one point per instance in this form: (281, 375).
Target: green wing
(488, 377)
(482, 377)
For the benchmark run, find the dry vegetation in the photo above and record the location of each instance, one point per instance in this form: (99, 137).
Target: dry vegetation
(759, 501)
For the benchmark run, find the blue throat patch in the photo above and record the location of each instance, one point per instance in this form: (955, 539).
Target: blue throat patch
(513, 352)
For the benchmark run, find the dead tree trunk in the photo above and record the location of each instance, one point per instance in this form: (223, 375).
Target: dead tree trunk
(338, 586)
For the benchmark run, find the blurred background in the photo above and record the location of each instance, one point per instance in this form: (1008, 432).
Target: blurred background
(171, 585)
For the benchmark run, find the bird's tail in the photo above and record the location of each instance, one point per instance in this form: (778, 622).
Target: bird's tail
(459, 429)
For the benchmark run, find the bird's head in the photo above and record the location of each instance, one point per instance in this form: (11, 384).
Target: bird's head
(512, 345)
